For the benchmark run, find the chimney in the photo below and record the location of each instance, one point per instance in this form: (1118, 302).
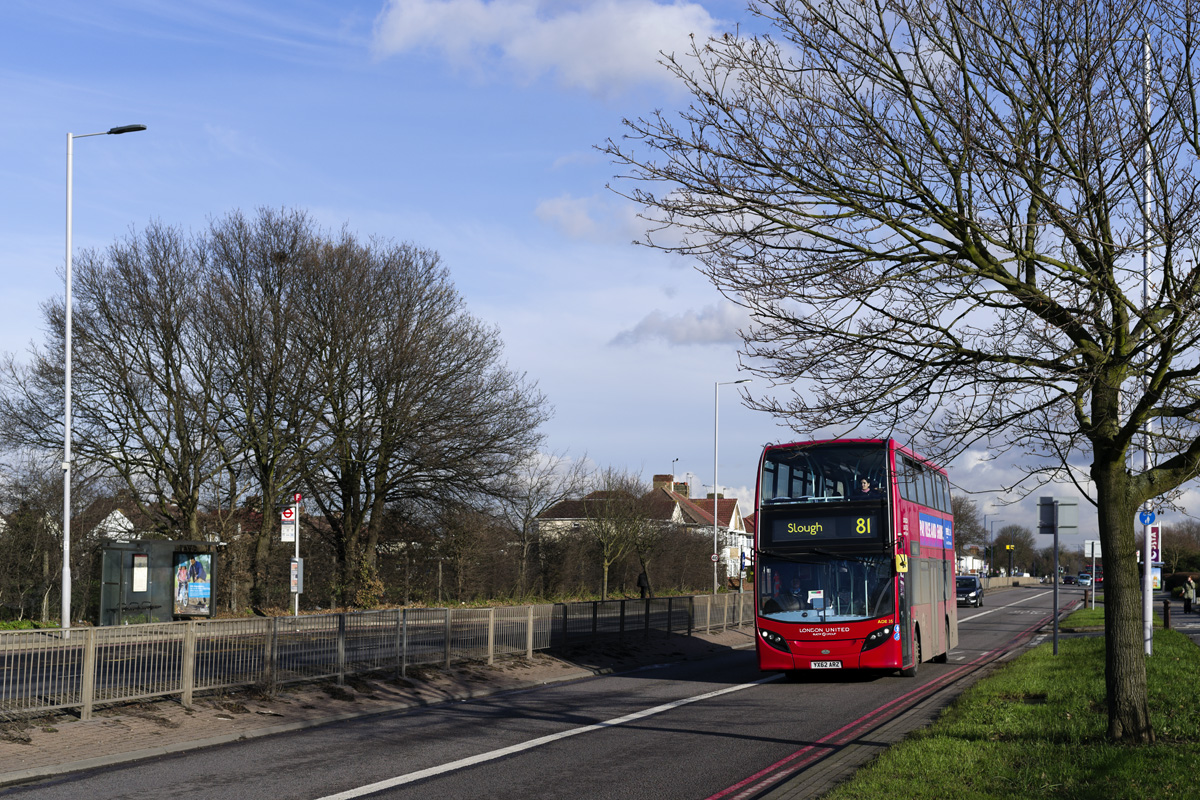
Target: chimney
(663, 481)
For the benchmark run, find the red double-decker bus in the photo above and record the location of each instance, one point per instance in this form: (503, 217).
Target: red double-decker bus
(854, 547)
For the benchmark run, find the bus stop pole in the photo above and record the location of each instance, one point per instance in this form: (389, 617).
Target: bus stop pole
(1055, 578)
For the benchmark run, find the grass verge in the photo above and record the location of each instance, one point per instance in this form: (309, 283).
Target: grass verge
(1036, 728)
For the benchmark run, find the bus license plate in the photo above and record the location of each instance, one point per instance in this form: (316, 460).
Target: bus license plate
(826, 665)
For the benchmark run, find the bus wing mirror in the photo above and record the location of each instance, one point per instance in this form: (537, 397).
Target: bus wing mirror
(901, 563)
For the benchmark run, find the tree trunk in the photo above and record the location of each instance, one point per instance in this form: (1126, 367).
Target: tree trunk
(261, 556)
(1125, 662)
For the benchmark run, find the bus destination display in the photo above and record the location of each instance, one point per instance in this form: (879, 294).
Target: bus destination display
(826, 528)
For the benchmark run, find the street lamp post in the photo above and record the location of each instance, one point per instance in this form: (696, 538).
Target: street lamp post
(993, 540)
(66, 464)
(716, 484)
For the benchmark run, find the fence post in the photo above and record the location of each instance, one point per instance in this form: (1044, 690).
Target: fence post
(271, 677)
(621, 629)
(341, 649)
(404, 646)
(670, 614)
(447, 634)
(564, 625)
(725, 613)
(491, 636)
(400, 642)
(87, 688)
(188, 676)
(595, 615)
(646, 618)
(529, 634)
(691, 614)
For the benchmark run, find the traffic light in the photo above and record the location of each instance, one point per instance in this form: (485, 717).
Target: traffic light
(1009, 547)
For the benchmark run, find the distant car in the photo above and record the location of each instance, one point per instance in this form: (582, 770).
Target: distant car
(1085, 580)
(1069, 580)
(969, 590)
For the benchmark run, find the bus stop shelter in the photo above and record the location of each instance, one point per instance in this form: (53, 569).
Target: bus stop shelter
(142, 581)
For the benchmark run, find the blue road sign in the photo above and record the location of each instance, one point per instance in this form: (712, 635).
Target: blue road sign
(1146, 517)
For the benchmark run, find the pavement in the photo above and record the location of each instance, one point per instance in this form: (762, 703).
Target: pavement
(55, 744)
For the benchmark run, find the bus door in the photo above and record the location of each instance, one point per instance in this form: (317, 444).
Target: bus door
(929, 591)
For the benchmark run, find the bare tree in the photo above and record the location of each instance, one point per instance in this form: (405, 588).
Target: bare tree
(617, 516)
(933, 211)
(1181, 546)
(30, 536)
(142, 383)
(1015, 548)
(418, 406)
(538, 483)
(258, 271)
(968, 528)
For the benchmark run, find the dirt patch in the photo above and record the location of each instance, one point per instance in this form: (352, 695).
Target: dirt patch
(335, 692)
(149, 712)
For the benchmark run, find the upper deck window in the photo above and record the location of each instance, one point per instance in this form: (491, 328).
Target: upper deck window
(823, 473)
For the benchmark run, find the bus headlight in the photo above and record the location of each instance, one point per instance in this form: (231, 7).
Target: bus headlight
(775, 640)
(877, 637)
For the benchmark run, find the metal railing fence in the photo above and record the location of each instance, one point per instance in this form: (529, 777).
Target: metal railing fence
(49, 670)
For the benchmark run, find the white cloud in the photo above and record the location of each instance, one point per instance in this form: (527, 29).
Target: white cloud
(597, 218)
(571, 215)
(601, 46)
(711, 325)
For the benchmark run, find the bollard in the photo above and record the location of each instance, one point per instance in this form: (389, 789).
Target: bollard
(1167, 614)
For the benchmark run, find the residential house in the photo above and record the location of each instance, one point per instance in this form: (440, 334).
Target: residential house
(670, 504)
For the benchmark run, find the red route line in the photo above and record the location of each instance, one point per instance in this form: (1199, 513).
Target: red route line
(804, 757)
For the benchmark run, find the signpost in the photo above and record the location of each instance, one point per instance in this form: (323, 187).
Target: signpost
(289, 531)
(1147, 517)
(1156, 556)
(1057, 514)
(1091, 549)
(287, 525)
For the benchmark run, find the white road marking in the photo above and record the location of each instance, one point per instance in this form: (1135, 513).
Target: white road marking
(400, 780)
(961, 620)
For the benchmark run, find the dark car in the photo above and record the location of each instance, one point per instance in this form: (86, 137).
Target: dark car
(970, 590)
(1068, 580)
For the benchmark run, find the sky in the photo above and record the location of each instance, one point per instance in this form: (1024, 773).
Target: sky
(463, 126)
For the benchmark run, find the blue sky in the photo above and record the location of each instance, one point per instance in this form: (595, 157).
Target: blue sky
(464, 126)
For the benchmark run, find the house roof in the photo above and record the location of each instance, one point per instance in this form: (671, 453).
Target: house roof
(662, 504)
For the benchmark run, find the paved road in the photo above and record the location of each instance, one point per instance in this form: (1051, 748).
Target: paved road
(711, 729)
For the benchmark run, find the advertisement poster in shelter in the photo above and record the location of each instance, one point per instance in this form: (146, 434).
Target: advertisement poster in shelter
(193, 584)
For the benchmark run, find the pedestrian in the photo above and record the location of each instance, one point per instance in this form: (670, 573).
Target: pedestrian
(643, 583)
(1189, 595)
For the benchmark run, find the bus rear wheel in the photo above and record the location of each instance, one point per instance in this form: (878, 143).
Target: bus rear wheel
(944, 656)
